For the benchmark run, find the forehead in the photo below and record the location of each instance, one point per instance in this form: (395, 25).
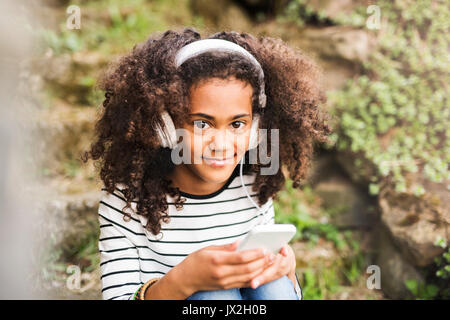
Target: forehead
(221, 97)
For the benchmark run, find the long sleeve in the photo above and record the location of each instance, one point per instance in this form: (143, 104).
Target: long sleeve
(119, 259)
(269, 218)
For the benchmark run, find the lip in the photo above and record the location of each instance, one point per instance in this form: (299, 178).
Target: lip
(214, 162)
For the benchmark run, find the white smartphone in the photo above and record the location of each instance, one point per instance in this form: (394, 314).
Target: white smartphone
(272, 237)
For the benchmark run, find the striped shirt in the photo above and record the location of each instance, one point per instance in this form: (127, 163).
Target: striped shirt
(130, 255)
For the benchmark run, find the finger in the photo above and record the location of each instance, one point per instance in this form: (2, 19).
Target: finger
(239, 257)
(279, 266)
(284, 251)
(243, 280)
(246, 268)
(267, 275)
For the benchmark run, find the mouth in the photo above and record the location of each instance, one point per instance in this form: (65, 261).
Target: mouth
(218, 162)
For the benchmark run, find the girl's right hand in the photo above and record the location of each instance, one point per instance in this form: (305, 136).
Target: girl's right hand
(220, 267)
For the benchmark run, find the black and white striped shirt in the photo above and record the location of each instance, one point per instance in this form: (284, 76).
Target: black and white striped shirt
(130, 255)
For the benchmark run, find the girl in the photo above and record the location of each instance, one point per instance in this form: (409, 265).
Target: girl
(179, 124)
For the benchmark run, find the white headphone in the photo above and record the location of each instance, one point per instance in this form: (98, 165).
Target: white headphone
(167, 133)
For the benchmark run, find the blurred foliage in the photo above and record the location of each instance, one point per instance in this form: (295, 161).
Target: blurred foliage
(443, 262)
(321, 280)
(442, 272)
(437, 285)
(292, 206)
(115, 26)
(402, 97)
(301, 12)
(109, 28)
(324, 280)
(80, 250)
(422, 291)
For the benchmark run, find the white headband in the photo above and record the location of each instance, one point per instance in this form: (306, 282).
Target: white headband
(200, 46)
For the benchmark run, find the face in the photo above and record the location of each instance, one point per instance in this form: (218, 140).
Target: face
(218, 127)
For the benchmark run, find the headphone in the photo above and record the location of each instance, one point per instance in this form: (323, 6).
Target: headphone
(167, 133)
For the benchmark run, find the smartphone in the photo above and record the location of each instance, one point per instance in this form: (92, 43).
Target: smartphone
(272, 237)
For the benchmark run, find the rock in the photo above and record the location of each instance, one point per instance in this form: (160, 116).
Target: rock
(336, 71)
(342, 42)
(394, 268)
(348, 205)
(230, 16)
(414, 223)
(64, 133)
(361, 175)
(353, 208)
(72, 76)
(61, 218)
(333, 8)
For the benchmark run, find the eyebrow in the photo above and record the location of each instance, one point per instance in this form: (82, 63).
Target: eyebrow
(207, 116)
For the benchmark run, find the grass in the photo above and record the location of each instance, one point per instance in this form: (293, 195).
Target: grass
(321, 279)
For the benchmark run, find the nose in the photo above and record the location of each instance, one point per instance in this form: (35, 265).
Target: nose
(221, 143)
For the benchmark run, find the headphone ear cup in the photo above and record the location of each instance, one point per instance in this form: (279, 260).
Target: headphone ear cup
(254, 136)
(166, 133)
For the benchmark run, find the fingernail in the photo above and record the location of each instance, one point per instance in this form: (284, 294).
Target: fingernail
(255, 283)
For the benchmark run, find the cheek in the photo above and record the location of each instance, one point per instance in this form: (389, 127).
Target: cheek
(241, 143)
(197, 145)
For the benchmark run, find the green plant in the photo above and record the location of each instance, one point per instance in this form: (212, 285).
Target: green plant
(422, 291)
(355, 262)
(301, 12)
(71, 167)
(84, 249)
(438, 284)
(319, 282)
(443, 262)
(65, 41)
(396, 114)
(293, 206)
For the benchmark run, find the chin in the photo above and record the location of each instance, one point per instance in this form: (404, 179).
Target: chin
(214, 174)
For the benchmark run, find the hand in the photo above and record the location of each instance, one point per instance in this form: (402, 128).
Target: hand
(221, 267)
(283, 263)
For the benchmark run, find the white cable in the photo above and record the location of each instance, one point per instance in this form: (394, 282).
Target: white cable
(246, 192)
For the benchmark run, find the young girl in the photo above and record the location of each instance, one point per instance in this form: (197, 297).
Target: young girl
(169, 227)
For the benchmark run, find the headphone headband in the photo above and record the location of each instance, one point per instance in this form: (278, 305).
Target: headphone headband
(198, 47)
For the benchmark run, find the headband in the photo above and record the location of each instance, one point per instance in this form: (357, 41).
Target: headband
(198, 47)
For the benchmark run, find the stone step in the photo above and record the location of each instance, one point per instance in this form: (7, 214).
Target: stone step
(64, 132)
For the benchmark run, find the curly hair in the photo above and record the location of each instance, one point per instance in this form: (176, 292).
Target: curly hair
(145, 82)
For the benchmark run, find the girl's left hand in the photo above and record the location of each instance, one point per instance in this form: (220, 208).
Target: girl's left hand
(284, 263)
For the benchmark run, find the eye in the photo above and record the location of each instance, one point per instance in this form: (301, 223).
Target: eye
(238, 124)
(201, 124)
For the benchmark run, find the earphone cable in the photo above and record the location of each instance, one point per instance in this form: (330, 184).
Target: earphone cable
(246, 192)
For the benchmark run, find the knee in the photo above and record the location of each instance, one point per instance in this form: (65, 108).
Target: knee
(229, 294)
(280, 289)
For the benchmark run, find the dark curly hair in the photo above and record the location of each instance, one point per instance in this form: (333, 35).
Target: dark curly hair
(145, 82)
